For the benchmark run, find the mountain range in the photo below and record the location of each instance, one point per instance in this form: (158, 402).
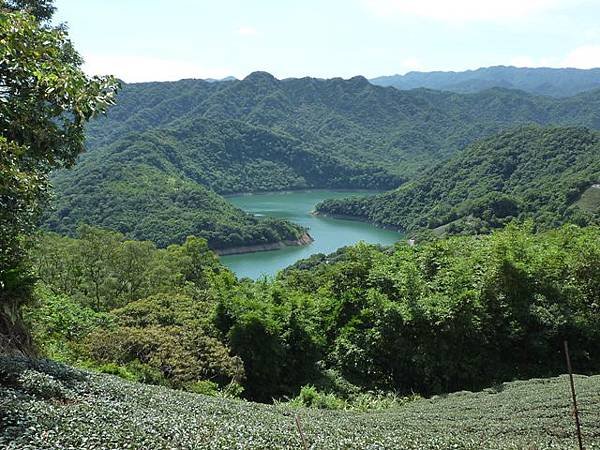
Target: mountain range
(542, 81)
(157, 162)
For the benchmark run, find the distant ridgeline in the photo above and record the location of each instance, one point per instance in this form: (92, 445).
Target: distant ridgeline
(542, 81)
(156, 163)
(549, 175)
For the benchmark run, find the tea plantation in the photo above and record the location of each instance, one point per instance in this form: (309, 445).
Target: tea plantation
(45, 405)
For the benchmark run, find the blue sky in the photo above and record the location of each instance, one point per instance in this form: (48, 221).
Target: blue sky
(144, 40)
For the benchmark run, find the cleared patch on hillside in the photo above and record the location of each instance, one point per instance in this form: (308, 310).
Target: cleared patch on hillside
(590, 199)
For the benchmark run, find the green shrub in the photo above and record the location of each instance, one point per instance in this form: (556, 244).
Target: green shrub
(311, 397)
(181, 354)
(232, 390)
(204, 387)
(113, 369)
(58, 322)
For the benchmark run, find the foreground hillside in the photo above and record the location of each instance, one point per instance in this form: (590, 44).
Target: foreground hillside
(544, 174)
(264, 134)
(465, 312)
(44, 405)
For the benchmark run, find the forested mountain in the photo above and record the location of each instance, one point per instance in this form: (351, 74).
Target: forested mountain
(542, 81)
(156, 185)
(262, 134)
(350, 119)
(530, 172)
(232, 156)
(143, 195)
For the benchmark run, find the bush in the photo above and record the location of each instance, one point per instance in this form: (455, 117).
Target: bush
(58, 321)
(311, 397)
(177, 354)
(204, 387)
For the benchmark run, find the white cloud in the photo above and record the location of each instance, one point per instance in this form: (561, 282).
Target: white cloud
(458, 11)
(247, 31)
(138, 68)
(584, 57)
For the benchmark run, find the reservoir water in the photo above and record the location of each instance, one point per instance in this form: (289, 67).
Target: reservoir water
(329, 234)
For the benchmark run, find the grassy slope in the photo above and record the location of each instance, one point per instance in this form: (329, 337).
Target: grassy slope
(101, 411)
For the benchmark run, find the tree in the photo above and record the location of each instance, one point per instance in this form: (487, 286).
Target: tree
(96, 254)
(45, 101)
(40, 9)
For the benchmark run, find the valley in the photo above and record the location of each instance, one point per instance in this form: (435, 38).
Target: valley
(196, 254)
(158, 164)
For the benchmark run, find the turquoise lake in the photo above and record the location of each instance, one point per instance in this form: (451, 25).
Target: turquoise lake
(329, 234)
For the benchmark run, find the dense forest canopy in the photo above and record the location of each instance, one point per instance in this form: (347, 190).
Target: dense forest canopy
(155, 203)
(459, 313)
(540, 80)
(526, 173)
(351, 119)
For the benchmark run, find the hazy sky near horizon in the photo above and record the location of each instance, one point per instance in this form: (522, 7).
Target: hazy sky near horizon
(147, 40)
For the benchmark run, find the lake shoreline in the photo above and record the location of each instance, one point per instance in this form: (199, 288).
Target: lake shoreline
(308, 189)
(305, 239)
(358, 219)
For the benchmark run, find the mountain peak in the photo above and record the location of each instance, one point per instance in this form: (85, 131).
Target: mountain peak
(358, 79)
(261, 76)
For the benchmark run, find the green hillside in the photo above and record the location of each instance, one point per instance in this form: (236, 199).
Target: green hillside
(231, 156)
(160, 185)
(262, 134)
(151, 201)
(352, 119)
(459, 313)
(45, 405)
(527, 173)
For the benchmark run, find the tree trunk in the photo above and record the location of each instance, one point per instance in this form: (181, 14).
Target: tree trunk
(14, 337)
